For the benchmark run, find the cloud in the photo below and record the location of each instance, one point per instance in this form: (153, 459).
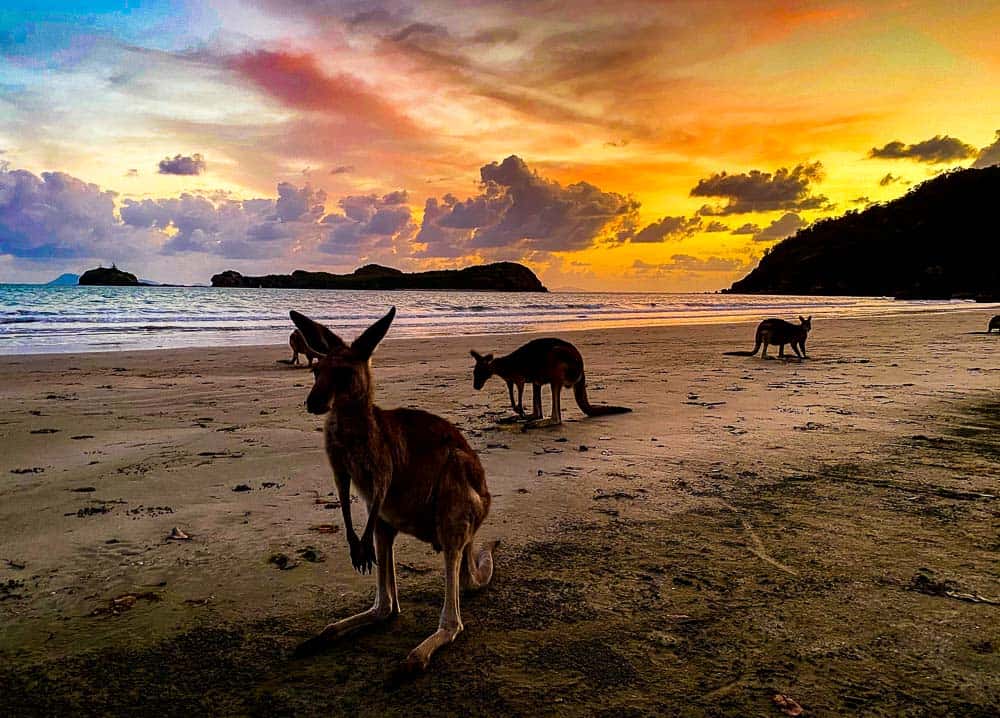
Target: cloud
(889, 179)
(342, 169)
(748, 228)
(716, 226)
(182, 165)
(368, 223)
(864, 199)
(668, 228)
(298, 204)
(687, 263)
(940, 148)
(297, 81)
(989, 155)
(517, 209)
(780, 228)
(757, 191)
(59, 216)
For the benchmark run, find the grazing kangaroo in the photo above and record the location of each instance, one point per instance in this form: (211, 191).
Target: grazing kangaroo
(416, 474)
(298, 344)
(541, 361)
(780, 332)
(994, 324)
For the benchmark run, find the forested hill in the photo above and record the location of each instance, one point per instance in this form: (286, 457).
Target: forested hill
(940, 240)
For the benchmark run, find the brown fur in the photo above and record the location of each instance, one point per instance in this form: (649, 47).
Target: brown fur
(298, 344)
(994, 324)
(415, 472)
(541, 361)
(780, 332)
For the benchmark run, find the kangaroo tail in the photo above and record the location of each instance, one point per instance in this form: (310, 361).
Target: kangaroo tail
(756, 348)
(477, 569)
(580, 393)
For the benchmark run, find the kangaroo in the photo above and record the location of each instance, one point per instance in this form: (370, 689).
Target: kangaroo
(298, 344)
(541, 361)
(780, 332)
(994, 324)
(416, 473)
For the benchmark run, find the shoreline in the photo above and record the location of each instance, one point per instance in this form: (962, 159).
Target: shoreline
(607, 325)
(704, 551)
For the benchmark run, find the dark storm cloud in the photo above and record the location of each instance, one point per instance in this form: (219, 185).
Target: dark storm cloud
(758, 191)
(519, 209)
(989, 155)
(182, 165)
(940, 148)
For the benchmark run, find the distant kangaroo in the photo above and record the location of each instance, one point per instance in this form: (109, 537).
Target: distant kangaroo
(298, 344)
(416, 474)
(541, 361)
(780, 332)
(994, 324)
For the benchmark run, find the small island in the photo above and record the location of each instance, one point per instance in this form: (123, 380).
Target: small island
(496, 277)
(938, 241)
(108, 277)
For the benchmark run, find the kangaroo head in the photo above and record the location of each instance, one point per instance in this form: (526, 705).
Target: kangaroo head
(483, 369)
(806, 322)
(343, 372)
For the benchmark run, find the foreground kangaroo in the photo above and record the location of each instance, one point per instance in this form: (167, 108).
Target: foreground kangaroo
(780, 332)
(994, 324)
(416, 474)
(540, 361)
(298, 344)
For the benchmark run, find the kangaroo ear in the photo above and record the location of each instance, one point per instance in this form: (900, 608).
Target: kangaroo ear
(802, 319)
(809, 318)
(318, 338)
(366, 343)
(476, 355)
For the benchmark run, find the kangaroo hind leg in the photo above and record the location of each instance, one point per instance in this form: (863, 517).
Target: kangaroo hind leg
(386, 598)
(556, 418)
(450, 624)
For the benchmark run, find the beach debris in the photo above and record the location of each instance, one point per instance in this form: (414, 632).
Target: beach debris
(788, 706)
(497, 446)
(80, 437)
(177, 535)
(922, 583)
(84, 489)
(602, 494)
(523, 491)
(16, 565)
(282, 561)
(222, 454)
(809, 426)
(271, 485)
(242, 487)
(120, 604)
(29, 470)
(45, 431)
(89, 511)
(325, 528)
(583, 447)
(310, 554)
(413, 568)
(198, 601)
(8, 588)
(561, 440)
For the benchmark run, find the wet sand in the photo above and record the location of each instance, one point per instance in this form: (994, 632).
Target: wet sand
(826, 530)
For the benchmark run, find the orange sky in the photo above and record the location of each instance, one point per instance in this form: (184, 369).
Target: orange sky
(644, 133)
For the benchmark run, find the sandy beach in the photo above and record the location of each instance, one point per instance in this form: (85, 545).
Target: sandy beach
(826, 530)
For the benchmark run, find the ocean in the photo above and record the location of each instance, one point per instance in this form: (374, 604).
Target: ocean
(40, 319)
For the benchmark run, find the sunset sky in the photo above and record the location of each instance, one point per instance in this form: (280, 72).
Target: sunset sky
(627, 145)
